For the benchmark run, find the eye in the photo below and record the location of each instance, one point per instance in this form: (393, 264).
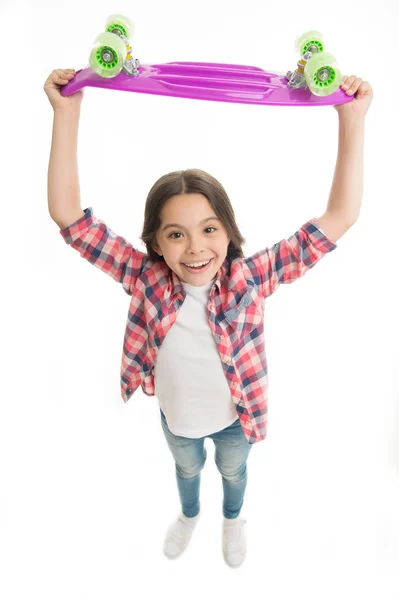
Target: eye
(178, 232)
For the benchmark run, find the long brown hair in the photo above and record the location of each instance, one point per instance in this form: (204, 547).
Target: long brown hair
(190, 181)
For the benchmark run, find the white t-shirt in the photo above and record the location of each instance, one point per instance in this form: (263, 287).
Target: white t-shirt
(190, 383)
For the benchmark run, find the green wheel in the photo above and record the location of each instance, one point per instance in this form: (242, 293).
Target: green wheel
(107, 55)
(121, 23)
(310, 41)
(322, 74)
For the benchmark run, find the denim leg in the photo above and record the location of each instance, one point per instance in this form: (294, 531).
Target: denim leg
(234, 487)
(231, 452)
(189, 493)
(190, 456)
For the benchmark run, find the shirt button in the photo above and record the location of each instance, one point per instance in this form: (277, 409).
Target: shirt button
(212, 307)
(221, 337)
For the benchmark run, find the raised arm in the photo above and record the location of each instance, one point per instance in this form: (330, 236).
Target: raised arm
(347, 187)
(63, 180)
(90, 236)
(63, 190)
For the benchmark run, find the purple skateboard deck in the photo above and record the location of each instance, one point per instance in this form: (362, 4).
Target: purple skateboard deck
(207, 81)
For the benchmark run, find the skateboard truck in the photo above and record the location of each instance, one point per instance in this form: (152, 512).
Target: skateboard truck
(131, 65)
(296, 79)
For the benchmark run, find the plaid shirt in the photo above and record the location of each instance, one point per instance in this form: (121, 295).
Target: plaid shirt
(235, 307)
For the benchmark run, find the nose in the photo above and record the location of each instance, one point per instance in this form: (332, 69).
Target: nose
(195, 247)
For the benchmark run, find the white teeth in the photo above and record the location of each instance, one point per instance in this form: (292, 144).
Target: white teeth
(197, 264)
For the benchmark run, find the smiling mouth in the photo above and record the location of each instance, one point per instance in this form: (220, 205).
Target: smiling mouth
(206, 260)
(197, 269)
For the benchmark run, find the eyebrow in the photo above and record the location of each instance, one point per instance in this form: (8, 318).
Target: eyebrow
(182, 227)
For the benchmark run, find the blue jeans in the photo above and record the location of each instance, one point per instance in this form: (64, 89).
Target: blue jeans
(231, 453)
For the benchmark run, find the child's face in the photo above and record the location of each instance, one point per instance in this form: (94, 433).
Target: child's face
(191, 241)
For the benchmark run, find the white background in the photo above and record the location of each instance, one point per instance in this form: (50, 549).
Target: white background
(87, 483)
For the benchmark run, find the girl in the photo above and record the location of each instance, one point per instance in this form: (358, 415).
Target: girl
(194, 333)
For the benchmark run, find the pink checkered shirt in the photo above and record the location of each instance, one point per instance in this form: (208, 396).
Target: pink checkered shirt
(235, 308)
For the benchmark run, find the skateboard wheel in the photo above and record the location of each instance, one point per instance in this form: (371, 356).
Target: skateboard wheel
(310, 41)
(107, 55)
(120, 23)
(322, 74)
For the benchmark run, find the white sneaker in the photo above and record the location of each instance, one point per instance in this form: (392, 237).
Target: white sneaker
(178, 535)
(234, 541)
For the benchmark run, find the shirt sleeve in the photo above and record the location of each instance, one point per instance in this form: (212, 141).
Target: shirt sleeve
(104, 249)
(289, 259)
